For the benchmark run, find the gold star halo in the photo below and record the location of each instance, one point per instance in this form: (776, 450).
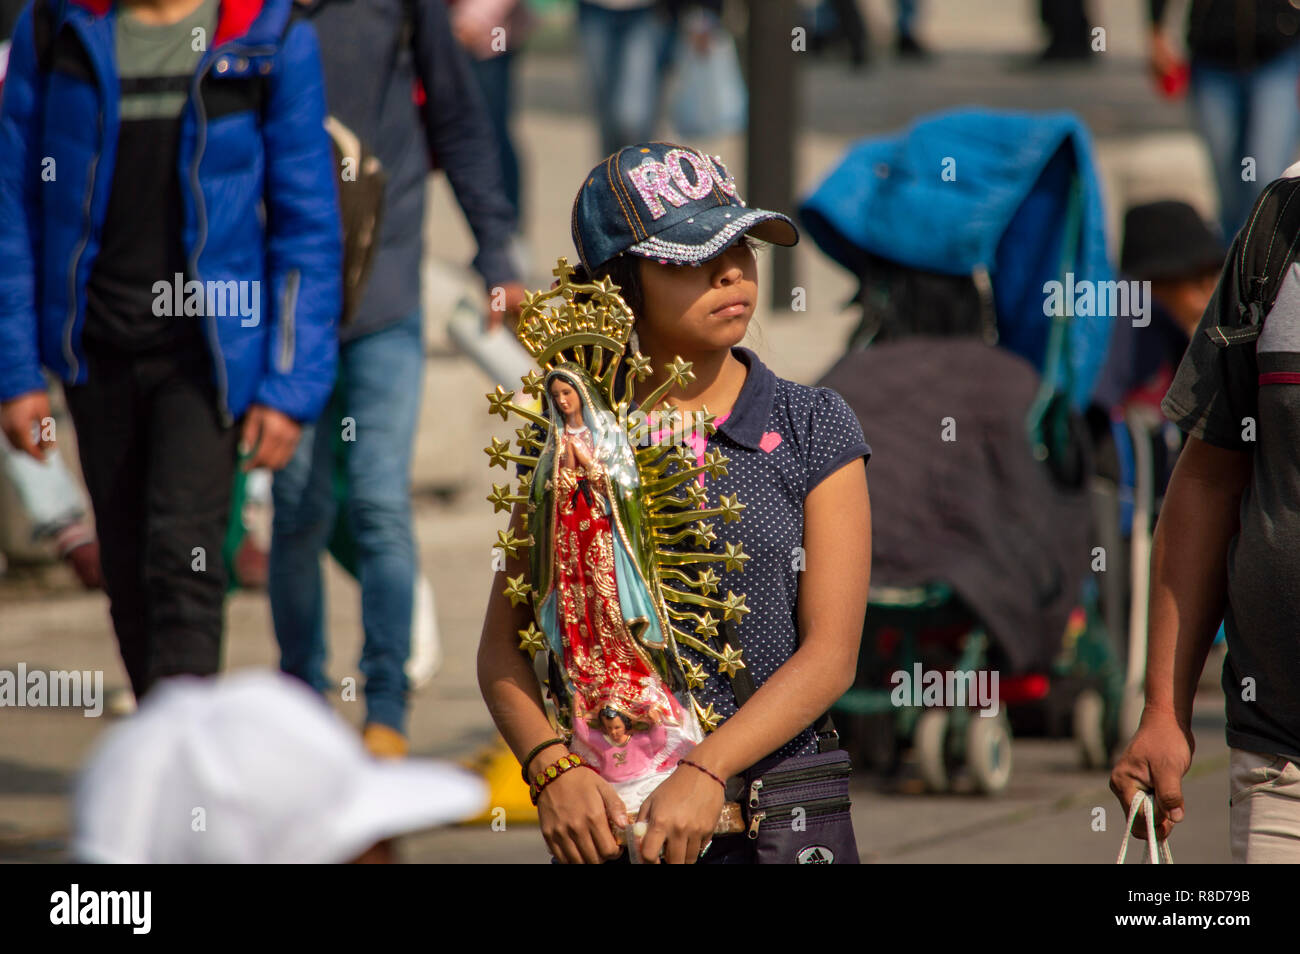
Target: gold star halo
(531, 640)
(707, 627)
(730, 507)
(730, 663)
(517, 590)
(638, 365)
(734, 607)
(709, 719)
(499, 402)
(694, 673)
(511, 544)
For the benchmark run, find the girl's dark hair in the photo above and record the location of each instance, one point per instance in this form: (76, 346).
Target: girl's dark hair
(624, 270)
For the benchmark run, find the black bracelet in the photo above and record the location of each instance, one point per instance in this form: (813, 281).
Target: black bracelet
(534, 753)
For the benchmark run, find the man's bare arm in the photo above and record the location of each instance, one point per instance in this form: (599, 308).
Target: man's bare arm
(1189, 576)
(1189, 582)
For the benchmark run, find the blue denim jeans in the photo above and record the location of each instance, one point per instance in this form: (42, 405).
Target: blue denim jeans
(1247, 113)
(626, 54)
(380, 378)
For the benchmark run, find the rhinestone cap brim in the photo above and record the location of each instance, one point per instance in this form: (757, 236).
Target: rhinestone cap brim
(687, 253)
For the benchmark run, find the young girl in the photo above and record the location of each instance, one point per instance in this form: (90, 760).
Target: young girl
(665, 223)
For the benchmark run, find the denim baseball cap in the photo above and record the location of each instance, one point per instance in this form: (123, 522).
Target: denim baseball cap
(666, 202)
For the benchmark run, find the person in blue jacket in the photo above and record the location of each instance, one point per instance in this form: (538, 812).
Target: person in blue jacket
(172, 251)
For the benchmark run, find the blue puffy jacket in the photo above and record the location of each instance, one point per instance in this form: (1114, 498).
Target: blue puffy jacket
(257, 185)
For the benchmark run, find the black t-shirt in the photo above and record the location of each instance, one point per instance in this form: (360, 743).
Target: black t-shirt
(1261, 675)
(140, 243)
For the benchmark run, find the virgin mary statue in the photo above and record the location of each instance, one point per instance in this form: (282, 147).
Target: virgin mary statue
(604, 629)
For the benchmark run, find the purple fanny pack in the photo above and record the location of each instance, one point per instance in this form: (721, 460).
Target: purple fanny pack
(797, 810)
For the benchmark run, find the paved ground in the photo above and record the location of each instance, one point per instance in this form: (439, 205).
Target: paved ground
(1046, 815)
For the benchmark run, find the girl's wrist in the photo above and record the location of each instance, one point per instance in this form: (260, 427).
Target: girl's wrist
(709, 761)
(545, 757)
(704, 772)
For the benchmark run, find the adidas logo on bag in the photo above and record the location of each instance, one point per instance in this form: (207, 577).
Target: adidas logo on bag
(816, 855)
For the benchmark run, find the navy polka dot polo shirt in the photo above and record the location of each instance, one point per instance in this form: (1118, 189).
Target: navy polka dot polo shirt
(781, 439)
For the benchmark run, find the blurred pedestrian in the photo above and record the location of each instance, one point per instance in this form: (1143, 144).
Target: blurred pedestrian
(1168, 244)
(842, 20)
(176, 262)
(1245, 66)
(372, 57)
(624, 47)
(627, 49)
(252, 768)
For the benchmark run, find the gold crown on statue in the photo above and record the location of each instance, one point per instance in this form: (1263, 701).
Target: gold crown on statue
(555, 319)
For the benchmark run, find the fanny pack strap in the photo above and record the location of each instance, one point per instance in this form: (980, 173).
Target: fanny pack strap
(742, 685)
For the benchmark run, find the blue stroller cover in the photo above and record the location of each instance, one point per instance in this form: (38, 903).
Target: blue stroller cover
(1014, 194)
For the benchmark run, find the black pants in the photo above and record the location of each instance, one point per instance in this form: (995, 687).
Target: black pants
(159, 467)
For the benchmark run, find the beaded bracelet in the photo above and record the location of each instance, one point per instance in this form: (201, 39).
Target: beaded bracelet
(553, 771)
(697, 765)
(536, 750)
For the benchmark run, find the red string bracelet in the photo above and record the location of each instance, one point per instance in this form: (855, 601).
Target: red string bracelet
(697, 765)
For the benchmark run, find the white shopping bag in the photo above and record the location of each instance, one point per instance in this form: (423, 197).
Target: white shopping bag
(1142, 801)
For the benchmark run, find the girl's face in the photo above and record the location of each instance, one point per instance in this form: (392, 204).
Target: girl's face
(694, 308)
(565, 397)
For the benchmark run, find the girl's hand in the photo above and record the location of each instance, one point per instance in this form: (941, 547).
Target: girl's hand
(681, 815)
(578, 813)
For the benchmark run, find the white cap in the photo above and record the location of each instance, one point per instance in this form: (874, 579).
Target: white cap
(252, 768)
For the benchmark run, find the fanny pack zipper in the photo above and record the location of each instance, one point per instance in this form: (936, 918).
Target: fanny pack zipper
(813, 809)
(769, 780)
(801, 794)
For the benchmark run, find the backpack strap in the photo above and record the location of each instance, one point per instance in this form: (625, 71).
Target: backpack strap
(1268, 247)
(1258, 263)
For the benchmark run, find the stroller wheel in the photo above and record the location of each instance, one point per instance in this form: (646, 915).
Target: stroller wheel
(930, 741)
(1090, 728)
(988, 752)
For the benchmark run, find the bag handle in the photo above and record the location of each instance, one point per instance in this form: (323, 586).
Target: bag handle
(1142, 801)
